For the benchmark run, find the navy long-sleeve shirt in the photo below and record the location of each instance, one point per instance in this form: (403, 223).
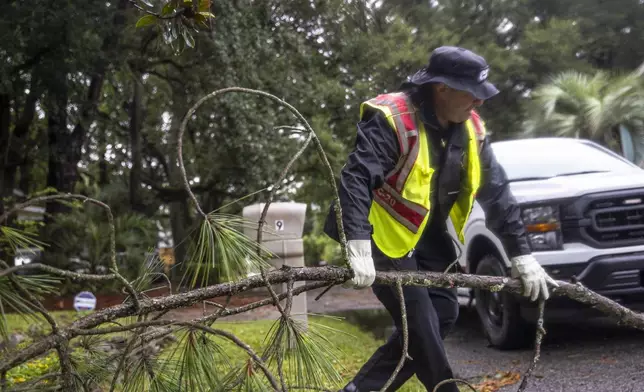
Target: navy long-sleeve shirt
(375, 154)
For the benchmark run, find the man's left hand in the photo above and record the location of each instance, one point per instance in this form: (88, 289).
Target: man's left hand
(534, 278)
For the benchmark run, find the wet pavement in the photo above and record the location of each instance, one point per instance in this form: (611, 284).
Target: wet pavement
(577, 356)
(580, 355)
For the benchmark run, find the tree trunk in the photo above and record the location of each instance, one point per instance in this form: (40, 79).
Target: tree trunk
(20, 152)
(180, 216)
(136, 121)
(103, 175)
(5, 187)
(62, 170)
(5, 126)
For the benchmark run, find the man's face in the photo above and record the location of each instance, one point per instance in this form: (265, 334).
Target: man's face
(455, 105)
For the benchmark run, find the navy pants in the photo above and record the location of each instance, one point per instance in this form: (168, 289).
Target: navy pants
(431, 313)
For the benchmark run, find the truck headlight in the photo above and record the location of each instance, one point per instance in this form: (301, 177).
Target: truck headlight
(543, 227)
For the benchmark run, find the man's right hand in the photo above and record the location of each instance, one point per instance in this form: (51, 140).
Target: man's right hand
(361, 264)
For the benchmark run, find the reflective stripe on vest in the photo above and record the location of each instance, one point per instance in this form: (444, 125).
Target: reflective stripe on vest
(401, 207)
(407, 213)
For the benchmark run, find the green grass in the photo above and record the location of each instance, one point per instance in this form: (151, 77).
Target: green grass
(354, 345)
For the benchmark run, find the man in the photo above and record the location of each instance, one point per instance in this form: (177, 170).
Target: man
(420, 157)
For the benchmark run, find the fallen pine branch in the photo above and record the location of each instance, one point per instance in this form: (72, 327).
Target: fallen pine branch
(621, 315)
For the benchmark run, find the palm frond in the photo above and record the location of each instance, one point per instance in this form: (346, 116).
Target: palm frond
(574, 104)
(309, 357)
(222, 249)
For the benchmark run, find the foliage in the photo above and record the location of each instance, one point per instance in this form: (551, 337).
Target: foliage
(222, 248)
(92, 94)
(225, 356)
(178, 20)
(588, 106)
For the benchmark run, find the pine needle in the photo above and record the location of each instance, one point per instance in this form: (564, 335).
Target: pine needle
(19, 239)
(246, 378)
(309, 357)
(198, 358)
(223, 251)
(37, 285)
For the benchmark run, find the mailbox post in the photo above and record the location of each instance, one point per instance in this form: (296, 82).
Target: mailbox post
(282, 236)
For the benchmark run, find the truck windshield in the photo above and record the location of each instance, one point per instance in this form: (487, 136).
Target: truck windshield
(532, 159)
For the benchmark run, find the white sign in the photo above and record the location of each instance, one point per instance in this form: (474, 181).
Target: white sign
(84, 301)
(279, 225)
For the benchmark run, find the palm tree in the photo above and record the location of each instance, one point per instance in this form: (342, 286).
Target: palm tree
(596, 107)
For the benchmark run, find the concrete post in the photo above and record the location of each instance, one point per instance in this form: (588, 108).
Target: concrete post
(282, 236)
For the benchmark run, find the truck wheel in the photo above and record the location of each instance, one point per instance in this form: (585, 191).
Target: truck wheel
(498, 311)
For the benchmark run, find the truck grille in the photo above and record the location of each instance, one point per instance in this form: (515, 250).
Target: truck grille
(617, 220)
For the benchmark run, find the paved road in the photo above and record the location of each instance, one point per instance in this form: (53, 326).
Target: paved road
(583, 356)
(576, 357)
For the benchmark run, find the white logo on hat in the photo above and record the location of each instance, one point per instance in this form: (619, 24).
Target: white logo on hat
(483, 74)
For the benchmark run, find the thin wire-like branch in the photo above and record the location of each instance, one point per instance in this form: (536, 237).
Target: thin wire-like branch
(455, 381)
(299, 116)
(262, 218)
(405, 332)
(55, 271)
(541, 332)
(130, 289)
(274, 188)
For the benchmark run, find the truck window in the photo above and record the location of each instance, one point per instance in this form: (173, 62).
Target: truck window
(552, 157)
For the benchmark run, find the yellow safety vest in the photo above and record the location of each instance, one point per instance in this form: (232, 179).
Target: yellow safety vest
(400, 208)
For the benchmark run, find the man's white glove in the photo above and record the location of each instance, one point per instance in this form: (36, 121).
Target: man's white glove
(534, 278)
(361, 263)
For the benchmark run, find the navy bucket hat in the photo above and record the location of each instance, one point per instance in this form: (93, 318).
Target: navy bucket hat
(458, 68)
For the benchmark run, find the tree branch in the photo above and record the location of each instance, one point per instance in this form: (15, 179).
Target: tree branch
(324, 276)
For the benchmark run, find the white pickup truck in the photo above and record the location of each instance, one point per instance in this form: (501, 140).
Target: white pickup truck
(583, 207)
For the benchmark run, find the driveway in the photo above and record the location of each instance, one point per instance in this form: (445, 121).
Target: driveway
(580, 356)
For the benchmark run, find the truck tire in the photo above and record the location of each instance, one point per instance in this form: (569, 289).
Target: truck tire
(499, 312)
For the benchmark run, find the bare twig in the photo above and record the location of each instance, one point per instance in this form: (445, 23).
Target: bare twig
(454, 380)
(537, 347)
(65, 366)
(55, 271)
(299, 116)
(329, 287)
(262, 218)
(403, 357)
